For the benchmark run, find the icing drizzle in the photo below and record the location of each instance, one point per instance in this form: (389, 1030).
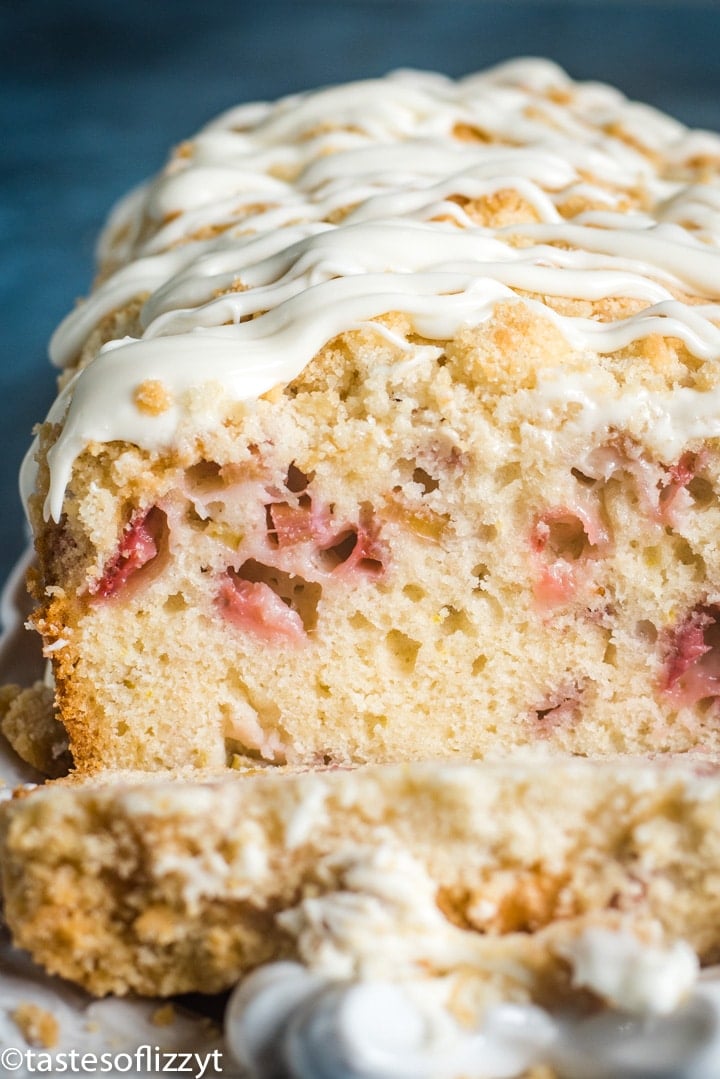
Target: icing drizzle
(283, 225)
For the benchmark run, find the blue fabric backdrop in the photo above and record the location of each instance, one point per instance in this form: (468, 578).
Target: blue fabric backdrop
(93, 93)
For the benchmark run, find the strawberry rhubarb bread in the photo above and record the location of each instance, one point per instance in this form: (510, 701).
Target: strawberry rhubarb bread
(522, 914)
(391, 430)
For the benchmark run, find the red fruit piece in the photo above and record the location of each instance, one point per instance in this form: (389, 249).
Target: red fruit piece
(560, 709)
(139, 545)
(288, 524)
(356, 550)
(556, 584)
(343, 547)
(561, 540)
(673, 491)
(254, 606)
(692, 665)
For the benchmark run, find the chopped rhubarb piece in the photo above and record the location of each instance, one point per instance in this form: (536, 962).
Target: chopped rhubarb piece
(342, 546)
(255, 607)
(357, 549)
(673, 493)
(366, 555)
(567, 532)
(139, 545)
(560, 709)
(685, 469)
(692, 665)
(650, 476)
(556, 584)
(302, 523)
(662, 489)
(561, 540)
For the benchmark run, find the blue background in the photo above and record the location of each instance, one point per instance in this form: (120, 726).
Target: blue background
(92, 94)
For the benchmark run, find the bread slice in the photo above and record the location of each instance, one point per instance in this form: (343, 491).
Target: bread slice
(486, 873)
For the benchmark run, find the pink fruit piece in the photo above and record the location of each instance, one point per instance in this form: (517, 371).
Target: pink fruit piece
(692, 662)
(254, 607)
(562, 540)
(139, 545)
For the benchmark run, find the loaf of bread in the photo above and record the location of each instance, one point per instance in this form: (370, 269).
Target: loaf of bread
(389, 440)
(390, 431)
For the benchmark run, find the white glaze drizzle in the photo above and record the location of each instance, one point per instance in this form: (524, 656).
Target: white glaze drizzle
(385, 155)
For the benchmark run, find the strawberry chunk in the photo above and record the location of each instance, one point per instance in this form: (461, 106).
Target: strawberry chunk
(139, 545)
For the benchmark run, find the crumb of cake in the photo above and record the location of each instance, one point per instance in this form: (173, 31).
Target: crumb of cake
(38, 1026)
(164, 1016)
(153, 397)
(274, 394)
